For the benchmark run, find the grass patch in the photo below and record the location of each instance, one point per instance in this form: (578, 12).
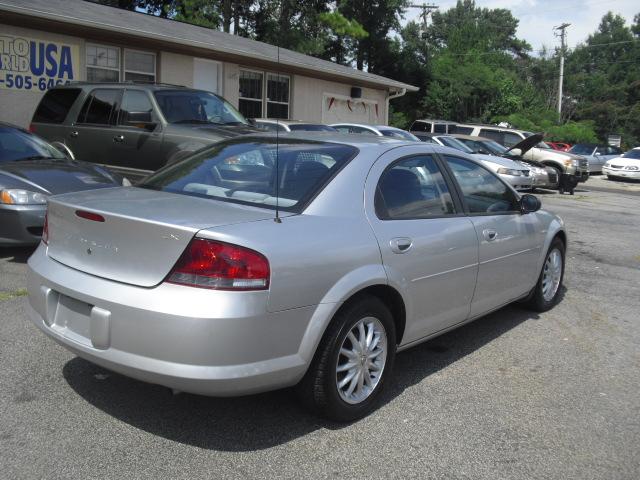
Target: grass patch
(9, 295)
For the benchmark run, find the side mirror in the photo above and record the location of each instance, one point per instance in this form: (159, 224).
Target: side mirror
(529, 203)
(516, 151)
(598, 154)
(252, 121)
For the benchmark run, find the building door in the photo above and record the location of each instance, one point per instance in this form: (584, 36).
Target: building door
(207, 75)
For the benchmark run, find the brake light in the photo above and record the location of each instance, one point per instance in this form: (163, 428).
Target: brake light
(45, 229)
(89, 216)
(220, 266)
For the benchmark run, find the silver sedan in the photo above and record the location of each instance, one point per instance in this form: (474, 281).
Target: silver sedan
(261, 263)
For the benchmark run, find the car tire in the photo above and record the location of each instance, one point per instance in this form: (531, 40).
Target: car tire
(546, 293)
(320, 389)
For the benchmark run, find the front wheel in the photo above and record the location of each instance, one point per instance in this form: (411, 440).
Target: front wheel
(547, 291)
(353, 360)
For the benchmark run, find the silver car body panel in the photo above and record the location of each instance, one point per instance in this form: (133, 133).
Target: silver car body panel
(230, 343)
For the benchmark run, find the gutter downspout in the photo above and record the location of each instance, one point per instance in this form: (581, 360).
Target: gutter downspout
(391, 96)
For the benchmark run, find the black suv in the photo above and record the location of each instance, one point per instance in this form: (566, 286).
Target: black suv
(135, 126)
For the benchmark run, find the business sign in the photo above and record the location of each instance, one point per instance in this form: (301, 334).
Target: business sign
(614, 140)
(36, 65)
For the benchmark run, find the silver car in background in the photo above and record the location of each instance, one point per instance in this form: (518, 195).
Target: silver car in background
(516, 174)
(261, 263)
(376, 130)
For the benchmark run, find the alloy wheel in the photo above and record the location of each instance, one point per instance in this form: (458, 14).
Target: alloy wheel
(361, 360)
(551, 274)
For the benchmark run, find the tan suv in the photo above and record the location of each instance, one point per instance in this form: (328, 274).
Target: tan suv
(574, 165)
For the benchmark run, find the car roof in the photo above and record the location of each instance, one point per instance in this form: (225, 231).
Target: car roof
(287, 122)
(364, 125)
(353, 124)
(140, 85)
(361, 142)
(430, 120)
(470, 137)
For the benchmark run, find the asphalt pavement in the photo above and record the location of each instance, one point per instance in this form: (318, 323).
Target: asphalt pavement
(513, 395)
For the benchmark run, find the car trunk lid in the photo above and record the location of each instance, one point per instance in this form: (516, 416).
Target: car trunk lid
(133, 235)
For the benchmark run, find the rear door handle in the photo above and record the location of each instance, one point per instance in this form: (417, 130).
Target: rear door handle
(74, 134)
(400, 244)
(489, 234)
(118, 138)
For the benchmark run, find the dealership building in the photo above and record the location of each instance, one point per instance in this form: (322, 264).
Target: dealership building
(48, 42)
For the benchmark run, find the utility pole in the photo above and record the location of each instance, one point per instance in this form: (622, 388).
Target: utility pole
(426, 8)
(563, 36)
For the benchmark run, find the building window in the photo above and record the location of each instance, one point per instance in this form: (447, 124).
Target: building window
(277, 96)
(250, 102)
(110, 64)
(253, 102)
(139, 66)
(103, 63)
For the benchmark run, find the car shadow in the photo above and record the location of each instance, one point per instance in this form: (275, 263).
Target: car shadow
(265, 420)
(16, 254)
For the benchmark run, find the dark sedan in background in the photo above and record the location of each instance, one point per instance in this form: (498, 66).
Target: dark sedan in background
(30, 171)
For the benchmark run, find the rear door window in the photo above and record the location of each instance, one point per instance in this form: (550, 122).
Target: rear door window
(440, 128)
(461, 130)
(421, 127)
(413, 188)
(101, 107)
(483, 192)
(55, 105)
(511, 139)
(492, 134)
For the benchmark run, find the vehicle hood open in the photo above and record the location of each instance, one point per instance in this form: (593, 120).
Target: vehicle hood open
(528, 143)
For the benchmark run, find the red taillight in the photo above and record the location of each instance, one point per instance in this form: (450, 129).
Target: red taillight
(90, 216)
(45, 229)
(220, 266)
(31, 128)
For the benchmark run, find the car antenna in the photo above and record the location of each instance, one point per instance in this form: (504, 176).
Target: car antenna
(277, 219)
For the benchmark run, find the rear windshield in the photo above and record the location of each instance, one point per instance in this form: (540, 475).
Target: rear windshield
(55, 105)
(582, 149)
(455, 143)
(401, 134)
(260, 172)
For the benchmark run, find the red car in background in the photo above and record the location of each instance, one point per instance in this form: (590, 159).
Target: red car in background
(563, 147)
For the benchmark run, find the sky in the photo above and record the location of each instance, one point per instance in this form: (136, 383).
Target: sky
(538, 17)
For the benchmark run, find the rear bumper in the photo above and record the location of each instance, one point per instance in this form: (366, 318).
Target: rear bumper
(21, 224)
(195, 340)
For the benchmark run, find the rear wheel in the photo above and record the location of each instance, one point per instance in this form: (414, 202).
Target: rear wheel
(547, 291)
(354, 358)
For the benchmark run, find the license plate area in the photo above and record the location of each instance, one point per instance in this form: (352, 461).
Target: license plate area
(73, 320)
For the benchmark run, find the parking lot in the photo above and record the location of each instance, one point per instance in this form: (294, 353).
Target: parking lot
(512, 395)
